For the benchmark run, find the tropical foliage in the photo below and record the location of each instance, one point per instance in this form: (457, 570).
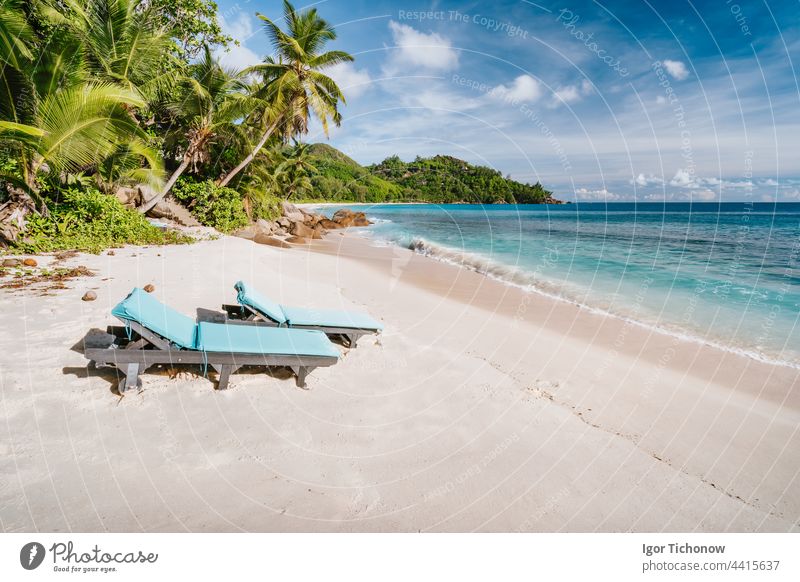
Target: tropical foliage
(340, 178)
(212, 205)
(88, 220)
(193, 25)
(57, 117)
(445, 179)
(100, 98)
(209, 102)
(441, 179)
(99, 95)
(292, 84)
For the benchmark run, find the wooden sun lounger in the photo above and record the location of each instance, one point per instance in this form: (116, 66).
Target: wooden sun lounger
(145, 348)
(157, 334)
(258, 309)
(246, 314)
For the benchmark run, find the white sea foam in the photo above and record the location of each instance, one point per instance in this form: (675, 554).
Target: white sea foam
(529, 282)
(473, 262)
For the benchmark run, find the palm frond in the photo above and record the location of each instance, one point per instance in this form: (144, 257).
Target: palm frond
(84, 124)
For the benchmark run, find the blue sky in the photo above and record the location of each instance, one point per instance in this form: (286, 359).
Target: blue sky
(600, 101)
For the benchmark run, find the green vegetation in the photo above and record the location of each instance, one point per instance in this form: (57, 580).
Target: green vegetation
(193, 25)
(339, 178)
(212, 205)
(97, 96)
(441, 179)
(292, 83)
(444, 179)
(88, 220)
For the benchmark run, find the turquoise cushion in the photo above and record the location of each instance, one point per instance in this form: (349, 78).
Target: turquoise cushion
(256, 339)
(330, 318)
(146, 310)
(262, 304)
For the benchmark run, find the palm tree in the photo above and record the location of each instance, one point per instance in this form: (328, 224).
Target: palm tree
(122, 41)
(73, 129)
(53, 119)
(292, 175)
(293, 85)
(211, 102)
(57, 119)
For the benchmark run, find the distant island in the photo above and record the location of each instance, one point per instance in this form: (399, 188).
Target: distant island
(439, 179)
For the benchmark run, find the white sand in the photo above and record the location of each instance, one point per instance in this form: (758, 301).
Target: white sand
(480, 408)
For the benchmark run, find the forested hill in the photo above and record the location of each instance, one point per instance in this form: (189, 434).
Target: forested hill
(440, 179)
(447, 179)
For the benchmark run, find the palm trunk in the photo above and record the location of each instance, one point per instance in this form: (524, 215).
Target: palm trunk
(224, 181)
(147, 206)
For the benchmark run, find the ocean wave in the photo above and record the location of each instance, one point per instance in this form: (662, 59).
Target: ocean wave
(472, 261)
(530, 282)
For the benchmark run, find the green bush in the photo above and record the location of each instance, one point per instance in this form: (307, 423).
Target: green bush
(265, 206)
(88, 220)
(212, 205)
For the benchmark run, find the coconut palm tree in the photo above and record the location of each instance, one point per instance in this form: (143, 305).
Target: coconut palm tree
(58, 120)
(211, 101)
(74, 129)
(55, 120)
(292, 175)
(293, 85)
(121, 41)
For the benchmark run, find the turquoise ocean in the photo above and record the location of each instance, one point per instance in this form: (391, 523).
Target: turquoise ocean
(727, 274)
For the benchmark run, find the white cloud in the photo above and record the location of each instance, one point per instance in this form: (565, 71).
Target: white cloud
(237, 57)
(571, 93)
(568, 94)
(353, 82)
(676, 69)
(642, 180)
(524, 89)
(418, 49)
(686, 179)
(729, 184)
(683, 178)
(601, 194)
(439, 99)
(660, 100)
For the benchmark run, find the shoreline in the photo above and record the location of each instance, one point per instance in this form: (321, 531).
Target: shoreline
(496, 296)
(479, 408)
(675, 332)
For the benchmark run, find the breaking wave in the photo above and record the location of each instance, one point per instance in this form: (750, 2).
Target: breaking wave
(473, 262)
(529, 281)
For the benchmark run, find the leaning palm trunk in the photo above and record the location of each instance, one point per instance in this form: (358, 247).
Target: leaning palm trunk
(13, 216)
(149, 204)
(249, 158)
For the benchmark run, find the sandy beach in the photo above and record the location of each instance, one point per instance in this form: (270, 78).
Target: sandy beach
(480, 408)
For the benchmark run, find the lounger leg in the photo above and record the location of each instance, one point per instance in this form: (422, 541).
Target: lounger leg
(224, 376)
(302, 372)
(352, 339)
(131, 379)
